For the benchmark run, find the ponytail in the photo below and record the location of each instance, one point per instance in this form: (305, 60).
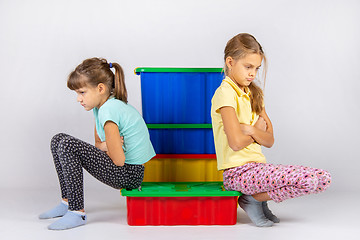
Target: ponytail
(119, 90)
(256, 98)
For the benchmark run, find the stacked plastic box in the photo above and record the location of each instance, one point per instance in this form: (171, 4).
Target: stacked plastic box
(181, 184)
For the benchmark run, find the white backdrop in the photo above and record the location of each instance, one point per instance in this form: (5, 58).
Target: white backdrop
(311, 91)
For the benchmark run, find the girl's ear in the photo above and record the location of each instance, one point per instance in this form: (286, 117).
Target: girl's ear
(101, 88)
(229, 61)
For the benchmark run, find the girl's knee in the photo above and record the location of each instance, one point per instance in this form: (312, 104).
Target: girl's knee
(324, 180)
(56, 139)
(66, 144)
(309, 183)
(322, 174)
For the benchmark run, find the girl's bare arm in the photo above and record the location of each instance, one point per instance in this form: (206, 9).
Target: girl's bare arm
(114, 143)
(236, 138)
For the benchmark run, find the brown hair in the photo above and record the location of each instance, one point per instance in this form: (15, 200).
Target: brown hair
(237, 48)
(93, 71)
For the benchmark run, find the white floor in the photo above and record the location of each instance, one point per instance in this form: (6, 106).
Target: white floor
(323, 216)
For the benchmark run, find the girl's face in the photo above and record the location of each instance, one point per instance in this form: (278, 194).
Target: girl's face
(243, 71)
(90, 97)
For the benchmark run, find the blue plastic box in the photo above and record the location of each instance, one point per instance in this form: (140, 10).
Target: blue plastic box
(182, 141)
(178, 95)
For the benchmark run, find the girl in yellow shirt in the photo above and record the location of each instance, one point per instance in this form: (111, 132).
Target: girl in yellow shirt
(241, 126)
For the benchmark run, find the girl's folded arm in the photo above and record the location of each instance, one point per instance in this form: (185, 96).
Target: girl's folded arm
(98, 142)
(114, 143)
(236, 138)
(265, 138)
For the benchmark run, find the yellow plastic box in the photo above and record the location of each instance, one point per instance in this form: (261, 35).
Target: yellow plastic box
(182, 168)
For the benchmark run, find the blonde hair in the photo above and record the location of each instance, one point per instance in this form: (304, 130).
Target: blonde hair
(238, 47)
(93, 71)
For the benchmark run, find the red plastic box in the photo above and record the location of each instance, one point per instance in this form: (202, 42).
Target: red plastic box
(191, 203)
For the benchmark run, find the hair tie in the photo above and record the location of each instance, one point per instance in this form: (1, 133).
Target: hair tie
(110, 64)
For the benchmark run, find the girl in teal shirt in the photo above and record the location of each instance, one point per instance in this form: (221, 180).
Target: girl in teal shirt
(122, 142)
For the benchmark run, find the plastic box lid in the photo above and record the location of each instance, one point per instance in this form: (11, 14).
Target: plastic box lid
(180, 189)
(175, 70)
(178, 125)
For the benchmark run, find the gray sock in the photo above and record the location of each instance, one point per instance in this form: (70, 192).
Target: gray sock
(254, 210)
(268, 214)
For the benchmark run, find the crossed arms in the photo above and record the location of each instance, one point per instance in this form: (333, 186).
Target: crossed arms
(241, 135)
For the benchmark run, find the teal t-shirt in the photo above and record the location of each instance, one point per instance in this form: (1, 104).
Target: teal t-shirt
(137, 146)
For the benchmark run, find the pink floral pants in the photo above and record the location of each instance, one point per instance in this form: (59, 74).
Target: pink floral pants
(281, 182)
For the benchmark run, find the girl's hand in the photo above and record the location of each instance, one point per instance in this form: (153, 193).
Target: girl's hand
(261, 124)
(247, 129)
(102, 146)
(263, 131)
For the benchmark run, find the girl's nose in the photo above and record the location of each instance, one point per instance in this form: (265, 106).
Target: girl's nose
(253, 73)
(78, 98)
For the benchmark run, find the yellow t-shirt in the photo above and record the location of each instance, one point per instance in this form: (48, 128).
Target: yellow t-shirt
(229, 94)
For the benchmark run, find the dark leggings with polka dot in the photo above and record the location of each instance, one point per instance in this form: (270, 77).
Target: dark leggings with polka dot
(71, 155)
